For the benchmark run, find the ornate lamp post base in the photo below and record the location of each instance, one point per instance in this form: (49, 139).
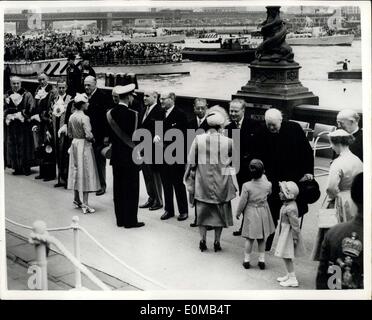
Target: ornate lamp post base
(274, 74)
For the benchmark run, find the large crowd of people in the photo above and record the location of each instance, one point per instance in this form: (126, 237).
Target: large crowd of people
(47, 46)
(69, 133)
(60, 45)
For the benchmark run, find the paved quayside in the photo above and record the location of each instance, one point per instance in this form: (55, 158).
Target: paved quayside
(166, 251)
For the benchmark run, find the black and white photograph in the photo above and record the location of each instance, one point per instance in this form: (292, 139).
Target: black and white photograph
(186, 150)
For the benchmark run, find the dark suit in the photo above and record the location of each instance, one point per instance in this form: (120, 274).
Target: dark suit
(357, 146)
(331, 250)
(97, 114)
(151, 171)
(172, 174)
(125, 172)
(193, 124)
(287, 156)
(73, 80)
(246, 136)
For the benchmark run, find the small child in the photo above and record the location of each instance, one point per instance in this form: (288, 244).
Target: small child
(290, 244)
(257, 221)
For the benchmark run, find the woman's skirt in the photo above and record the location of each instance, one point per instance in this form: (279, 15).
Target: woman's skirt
(82, 172)
(345, 207)
(213, 214)
(285, 247)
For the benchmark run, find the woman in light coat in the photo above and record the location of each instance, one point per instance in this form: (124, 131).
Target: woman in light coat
(208, 178)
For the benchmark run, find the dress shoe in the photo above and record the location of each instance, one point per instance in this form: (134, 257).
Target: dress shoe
(16, 173)
(193, 225)
(246, 265)
(217, 246)
(101, 192)
(237, 233)
(38, 177)
(182, 216)
(136, 225)
(166, 215)
(261, 265)
(155, 207)
(202, 245)
(59, 184)
(147, 204)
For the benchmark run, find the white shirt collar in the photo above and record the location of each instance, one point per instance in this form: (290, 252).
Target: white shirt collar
(355, 131)
(168, 111)
(200, 121)
(123, 104)
(241, 122)
(92, 93)
(151, 107)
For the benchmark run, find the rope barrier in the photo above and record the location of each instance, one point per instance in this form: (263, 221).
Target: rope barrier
(76, 263)
(31, 228)
(119, 260)
(18, 224)
(68, 255)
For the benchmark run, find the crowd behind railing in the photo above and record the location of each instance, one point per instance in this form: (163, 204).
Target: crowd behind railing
(53, 45)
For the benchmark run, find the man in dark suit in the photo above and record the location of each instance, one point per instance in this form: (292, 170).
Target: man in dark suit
(343, 247)
(348, 120)
(172, 174)
(198, 121)
(73, 72)
(287, 156)
(151, 171)
(97, 113)
(247, 129)
(125, 172)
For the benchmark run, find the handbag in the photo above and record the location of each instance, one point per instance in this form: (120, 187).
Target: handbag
(327, 217)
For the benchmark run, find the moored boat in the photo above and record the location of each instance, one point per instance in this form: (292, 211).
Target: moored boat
(219, 49)
(306, 39)
(345, 74)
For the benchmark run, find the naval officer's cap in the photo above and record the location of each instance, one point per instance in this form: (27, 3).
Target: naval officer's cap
(120, 90)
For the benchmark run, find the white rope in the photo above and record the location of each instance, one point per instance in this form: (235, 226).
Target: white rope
(18, 224)
(77, 264)
(119, 260)
(31, 228)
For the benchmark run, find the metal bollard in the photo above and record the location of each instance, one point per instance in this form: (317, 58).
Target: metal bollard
(39, 239)
(75, 226)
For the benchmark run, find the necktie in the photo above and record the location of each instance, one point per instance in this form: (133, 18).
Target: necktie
(146, 114)
(238, 124)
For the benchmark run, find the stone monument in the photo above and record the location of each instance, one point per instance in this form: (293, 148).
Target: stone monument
(274, 73)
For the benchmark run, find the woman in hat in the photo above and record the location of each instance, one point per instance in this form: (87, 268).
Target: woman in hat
(82, 173)
(289, 244)
(210, 161)
(341, 174)
(258, 223)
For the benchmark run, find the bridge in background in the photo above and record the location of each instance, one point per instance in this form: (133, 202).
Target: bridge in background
(105, 19)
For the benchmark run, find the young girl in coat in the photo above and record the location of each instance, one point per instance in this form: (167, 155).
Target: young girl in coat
(258, 223)
(289, 244)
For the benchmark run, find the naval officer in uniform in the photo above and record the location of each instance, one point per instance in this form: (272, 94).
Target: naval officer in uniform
(123, 121)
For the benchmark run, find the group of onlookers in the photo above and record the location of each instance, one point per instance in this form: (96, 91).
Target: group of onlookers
(120, 51)
(272, 161)
(48, 46)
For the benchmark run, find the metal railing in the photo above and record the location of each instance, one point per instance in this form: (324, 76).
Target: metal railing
(41, 239)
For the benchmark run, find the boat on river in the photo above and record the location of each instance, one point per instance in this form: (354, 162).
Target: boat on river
(220, 49)
(309, 39)
(345, 74)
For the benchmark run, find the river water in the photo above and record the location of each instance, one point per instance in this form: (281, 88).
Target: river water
(221, 80)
